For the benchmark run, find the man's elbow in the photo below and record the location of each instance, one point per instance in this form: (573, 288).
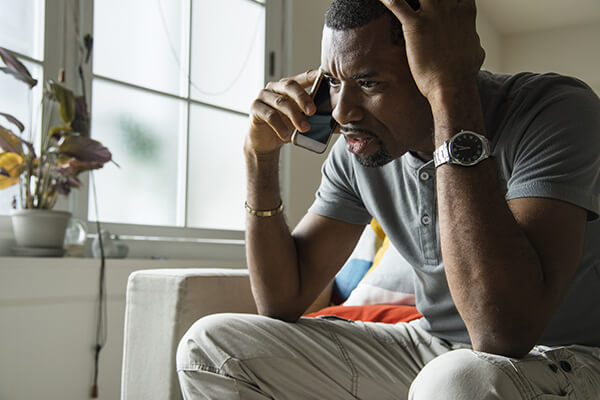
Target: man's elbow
(280, 314)
(513, 346)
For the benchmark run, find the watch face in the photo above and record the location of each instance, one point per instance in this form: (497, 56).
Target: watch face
(466, 148)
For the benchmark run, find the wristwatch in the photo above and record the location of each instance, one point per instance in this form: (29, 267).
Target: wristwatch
(466, 148)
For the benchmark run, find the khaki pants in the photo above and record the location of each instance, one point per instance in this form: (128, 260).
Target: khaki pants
(239, 356)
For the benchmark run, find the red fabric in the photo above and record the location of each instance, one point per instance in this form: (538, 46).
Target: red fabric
(390, 314)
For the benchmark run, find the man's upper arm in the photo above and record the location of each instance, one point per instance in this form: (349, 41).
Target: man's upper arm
(323, 245)
(555, 229)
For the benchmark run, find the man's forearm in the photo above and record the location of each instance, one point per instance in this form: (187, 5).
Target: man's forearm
(270, 249)
(492, 268)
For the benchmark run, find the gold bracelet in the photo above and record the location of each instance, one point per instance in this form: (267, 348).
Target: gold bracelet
(264, 213)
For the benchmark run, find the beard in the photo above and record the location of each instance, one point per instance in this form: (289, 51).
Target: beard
(378, 159)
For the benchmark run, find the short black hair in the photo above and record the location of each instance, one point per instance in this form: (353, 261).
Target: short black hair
(351, 14)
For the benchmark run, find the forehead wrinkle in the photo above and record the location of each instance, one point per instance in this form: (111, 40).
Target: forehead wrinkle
(364, 75)
(356, 54)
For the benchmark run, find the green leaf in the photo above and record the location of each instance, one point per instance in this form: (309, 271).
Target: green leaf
(66, 101)
(59, 131)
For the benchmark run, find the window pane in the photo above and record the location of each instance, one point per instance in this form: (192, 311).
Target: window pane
(216, 176)
(228, 46)
(143, 42)
(142, 130)
(22, 26)
(24, 104)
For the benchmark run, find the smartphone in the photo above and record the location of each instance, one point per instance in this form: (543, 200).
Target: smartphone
(321, 122)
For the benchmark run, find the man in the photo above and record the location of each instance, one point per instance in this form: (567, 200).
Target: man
(506, 268)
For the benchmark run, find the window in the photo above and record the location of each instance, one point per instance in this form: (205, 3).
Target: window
(22, 31)
(171, 83)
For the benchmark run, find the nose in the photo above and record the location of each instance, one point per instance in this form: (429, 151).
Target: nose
(346, 106)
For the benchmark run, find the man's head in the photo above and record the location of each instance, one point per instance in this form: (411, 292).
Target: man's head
(350, 14)
(376, 102)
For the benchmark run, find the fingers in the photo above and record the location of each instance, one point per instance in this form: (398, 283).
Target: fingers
(282, 107)
(401, 9)
(280, 124)
(288, 93)
(305, 79)
(289, 98)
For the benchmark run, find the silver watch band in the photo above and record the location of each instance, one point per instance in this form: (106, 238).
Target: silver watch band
(442, 154)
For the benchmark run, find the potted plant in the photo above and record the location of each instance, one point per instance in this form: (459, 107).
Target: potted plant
(65, 151)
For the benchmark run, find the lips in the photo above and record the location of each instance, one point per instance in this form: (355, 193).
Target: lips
(358, 145)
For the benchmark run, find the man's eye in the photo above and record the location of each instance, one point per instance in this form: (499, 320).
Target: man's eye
(332, 82)
(368, 84)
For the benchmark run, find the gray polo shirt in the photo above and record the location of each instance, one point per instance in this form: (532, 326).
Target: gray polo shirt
(545, 136)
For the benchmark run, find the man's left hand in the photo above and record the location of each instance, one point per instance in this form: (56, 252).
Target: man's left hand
(442, 45)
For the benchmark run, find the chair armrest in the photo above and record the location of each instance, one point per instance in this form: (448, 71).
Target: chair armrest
(161, 305)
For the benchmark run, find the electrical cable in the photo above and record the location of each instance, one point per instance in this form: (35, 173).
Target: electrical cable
(236, 77)
(101, 322)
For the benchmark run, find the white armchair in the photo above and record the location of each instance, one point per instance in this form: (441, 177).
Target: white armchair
(161, 305)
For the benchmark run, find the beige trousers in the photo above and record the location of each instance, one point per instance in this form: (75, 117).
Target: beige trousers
(240, 356)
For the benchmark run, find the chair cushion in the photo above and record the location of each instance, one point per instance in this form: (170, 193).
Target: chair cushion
(375, 313)
(375, 273)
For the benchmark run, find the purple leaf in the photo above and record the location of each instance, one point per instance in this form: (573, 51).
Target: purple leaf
(14, 121)
(84, 149)
(15, 68)
(10, 142)
(81, 123)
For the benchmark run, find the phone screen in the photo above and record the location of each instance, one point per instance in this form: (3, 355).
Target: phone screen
(321, 122)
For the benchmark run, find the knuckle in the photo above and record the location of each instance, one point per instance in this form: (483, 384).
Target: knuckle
(288, 84)
(280, 100)
(256, 107)
(264, 93)
(271, 116)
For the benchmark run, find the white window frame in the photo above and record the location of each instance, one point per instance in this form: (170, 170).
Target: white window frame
(145, 241)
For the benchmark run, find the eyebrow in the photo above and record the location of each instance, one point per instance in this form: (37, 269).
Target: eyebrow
(364, 75)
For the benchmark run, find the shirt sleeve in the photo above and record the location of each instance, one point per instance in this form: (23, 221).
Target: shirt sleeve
(558, 154)
(338, 196)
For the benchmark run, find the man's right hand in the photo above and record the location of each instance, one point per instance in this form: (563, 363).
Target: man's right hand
(279, 109)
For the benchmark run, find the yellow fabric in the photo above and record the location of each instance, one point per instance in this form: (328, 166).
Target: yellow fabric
(379, 255)
(377, 229)
(382, 244)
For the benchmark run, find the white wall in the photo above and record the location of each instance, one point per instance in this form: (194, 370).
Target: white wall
(572, 51)
(303, 48)
(47, 332)
(491, 41)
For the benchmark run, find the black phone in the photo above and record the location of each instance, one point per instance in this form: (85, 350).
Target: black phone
(321, 122)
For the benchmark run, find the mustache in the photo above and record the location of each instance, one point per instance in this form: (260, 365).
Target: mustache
(349, 130)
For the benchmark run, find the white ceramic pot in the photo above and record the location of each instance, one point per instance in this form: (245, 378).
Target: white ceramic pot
(40, 228)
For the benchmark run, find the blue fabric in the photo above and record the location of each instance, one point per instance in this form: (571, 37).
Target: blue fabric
(348, 277)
